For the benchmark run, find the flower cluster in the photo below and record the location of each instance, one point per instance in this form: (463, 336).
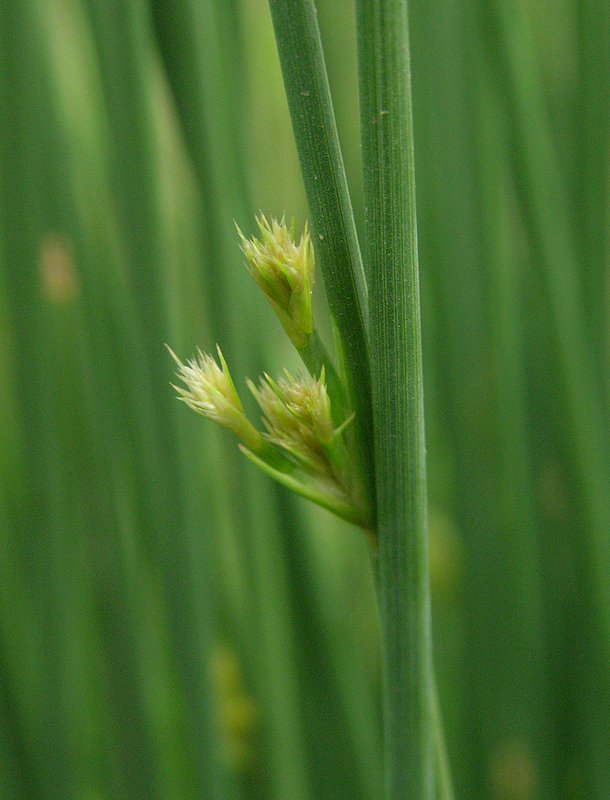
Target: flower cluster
(296, 415)
(209, 390)
(284, 272)
(301, 447)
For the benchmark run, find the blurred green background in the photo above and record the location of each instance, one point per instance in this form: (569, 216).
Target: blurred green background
(172, 624)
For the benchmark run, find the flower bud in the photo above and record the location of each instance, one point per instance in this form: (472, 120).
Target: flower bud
(311, 457)
(284, 271)
(209, 390)
(297, 416)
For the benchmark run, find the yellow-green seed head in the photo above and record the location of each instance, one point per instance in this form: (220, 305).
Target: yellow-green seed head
(307, 399)
(210, 391)
(297, 417)
(284, 270)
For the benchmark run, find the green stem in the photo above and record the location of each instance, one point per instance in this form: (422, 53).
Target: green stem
(442, 770)
(543, 193)
(387, 140)
(313, 120)
(545, 203)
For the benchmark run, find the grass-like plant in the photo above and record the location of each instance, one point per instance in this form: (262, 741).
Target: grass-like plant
(174, 623)
(378, 318)
(378, 322)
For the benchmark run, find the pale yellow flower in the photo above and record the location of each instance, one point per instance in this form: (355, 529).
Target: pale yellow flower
(298, 419)
(284, 271)
(210, 391)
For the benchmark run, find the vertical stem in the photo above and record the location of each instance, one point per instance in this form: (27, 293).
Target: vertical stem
(442, 769)
(313, 121)
(389, 185)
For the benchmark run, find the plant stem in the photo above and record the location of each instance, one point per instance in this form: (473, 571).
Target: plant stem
(544, 200)
(442, 770)
(541, 186)
(313, 121)
(389, 185)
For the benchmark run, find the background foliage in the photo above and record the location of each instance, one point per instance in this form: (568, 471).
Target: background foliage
(172, 625)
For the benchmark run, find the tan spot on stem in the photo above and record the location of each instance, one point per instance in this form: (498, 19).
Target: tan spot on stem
(58, 273)
(513, 773)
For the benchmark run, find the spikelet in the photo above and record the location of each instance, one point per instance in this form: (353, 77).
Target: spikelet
(284, 271)
(210, 391)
